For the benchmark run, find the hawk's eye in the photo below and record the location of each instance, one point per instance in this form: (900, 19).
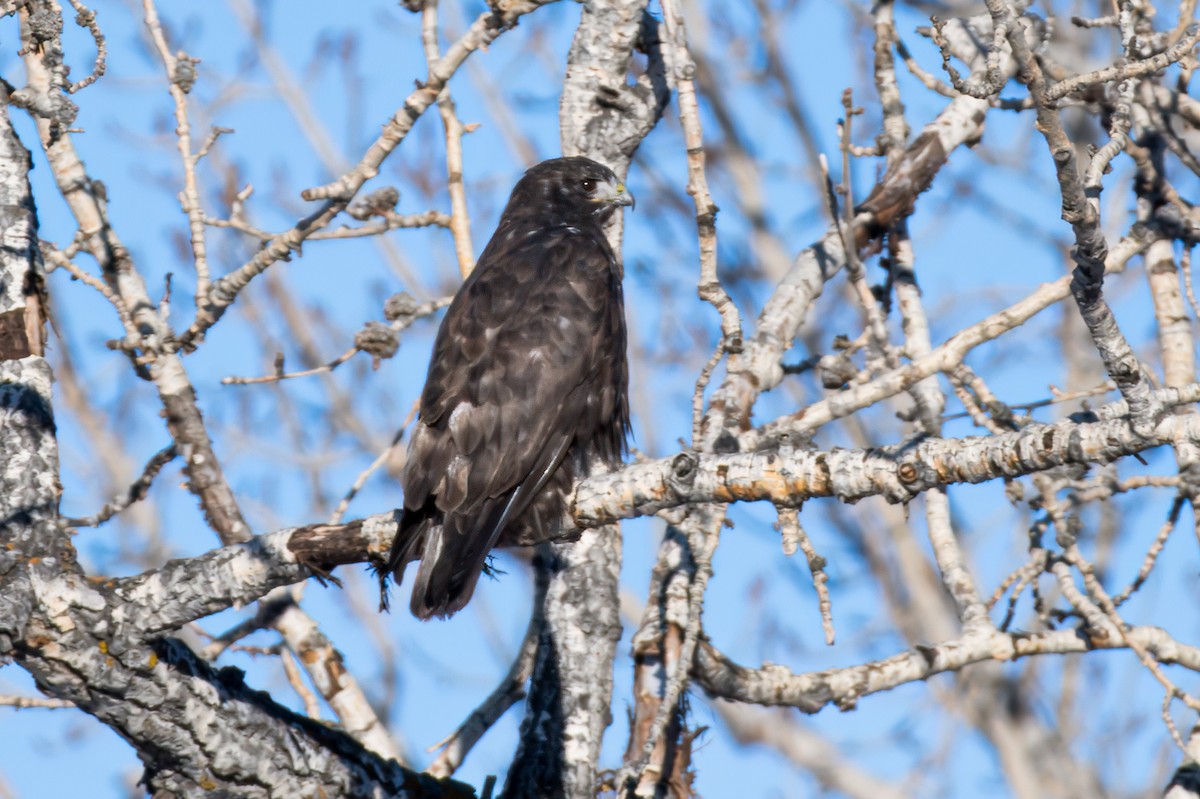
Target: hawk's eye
(588, 185)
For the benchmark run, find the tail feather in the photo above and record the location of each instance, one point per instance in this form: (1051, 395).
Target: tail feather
(452, 559)
(453, 547)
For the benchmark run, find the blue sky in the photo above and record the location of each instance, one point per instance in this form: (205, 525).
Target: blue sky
(761, 606)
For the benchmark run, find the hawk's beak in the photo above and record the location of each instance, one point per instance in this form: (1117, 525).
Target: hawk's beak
(614, 194)
(625, 197)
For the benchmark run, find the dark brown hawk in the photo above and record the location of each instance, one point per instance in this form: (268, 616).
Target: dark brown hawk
(527, 386)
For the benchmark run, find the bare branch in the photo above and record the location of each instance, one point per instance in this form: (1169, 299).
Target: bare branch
(1128, 71)
(136, 493)
(845, 687)
(338, 194)
(24, 702)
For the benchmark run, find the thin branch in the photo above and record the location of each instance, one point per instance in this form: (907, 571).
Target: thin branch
(312, 708)
(1127, 71)
(710, 288)
(511, 690)
(336, 196)
(25, 702)
(86, 18)
(1152, 554)
(181, 76)
(794, 536)
(137, 491)
(390, 221)
(361, 480)
(60, 259)
(396, 326)
(846, 687)
(460, 221)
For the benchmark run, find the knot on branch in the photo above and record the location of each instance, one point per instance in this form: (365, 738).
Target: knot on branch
(53, 107)
(400, 306)
(836, 371)
(44, 26)
(684, 468)
(1086, 286)
(380, 202)
(377, 340)
(184, 74)
(914, 477)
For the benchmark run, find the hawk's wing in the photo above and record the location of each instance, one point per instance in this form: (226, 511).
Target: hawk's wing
(510, 384)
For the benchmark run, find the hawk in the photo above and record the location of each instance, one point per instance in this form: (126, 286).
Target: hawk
(527, 386)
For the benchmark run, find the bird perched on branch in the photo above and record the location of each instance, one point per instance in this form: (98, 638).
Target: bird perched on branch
(527, 386)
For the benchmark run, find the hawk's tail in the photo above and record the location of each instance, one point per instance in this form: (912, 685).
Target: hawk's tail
(453, 556)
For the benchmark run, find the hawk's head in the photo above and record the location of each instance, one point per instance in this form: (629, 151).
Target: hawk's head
(569, 190)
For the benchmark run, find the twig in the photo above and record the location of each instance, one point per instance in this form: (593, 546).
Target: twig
(1058, 398)
(980, 89)
(136, 492)
(1152, 554)
(1018, 579)
(1106, 606)
(404, 321)
(875, 330)
(360, 481)
(1187, 14)
(710, 288)
(511, 690)
(312, 707)
(215, 132)
(927, 79)
(25, 702)
(181, 76)
(282, 375)
(793, 536)
(1127, 71)
(268, 609)
(390, 221)
(86, 18)
(460, 221)
(60, 259)
(698, 393)
(973, 405)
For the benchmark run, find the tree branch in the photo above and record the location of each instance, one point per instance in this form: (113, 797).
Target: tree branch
(844, 687)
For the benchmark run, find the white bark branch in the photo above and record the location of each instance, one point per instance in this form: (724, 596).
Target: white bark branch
(844, 687)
